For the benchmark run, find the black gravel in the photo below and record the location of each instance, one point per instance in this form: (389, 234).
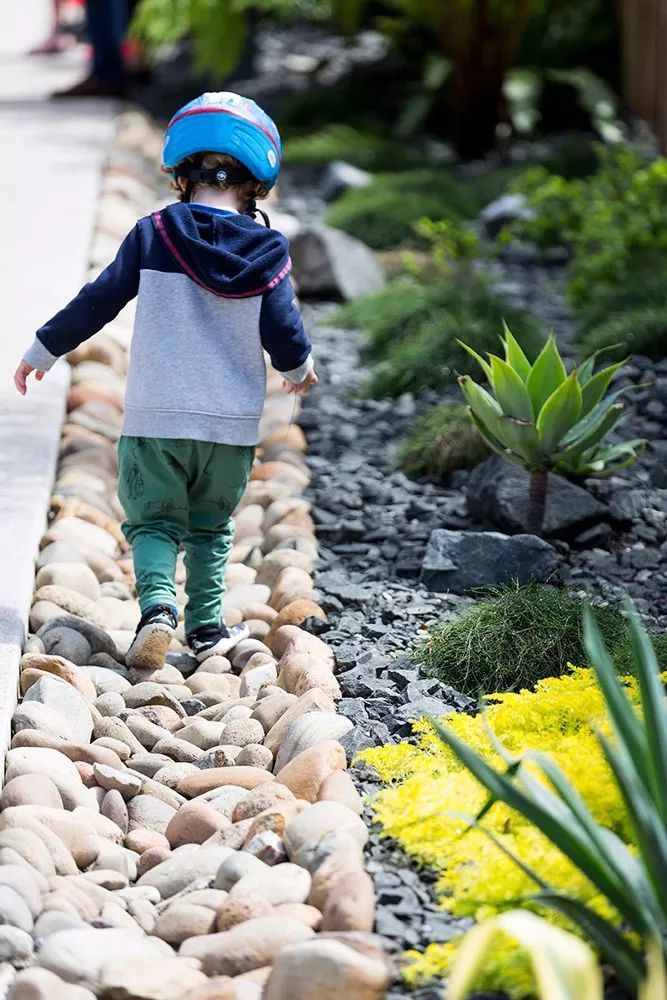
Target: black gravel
(373, 525)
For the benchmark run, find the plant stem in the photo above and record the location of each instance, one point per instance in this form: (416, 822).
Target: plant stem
(537, 501)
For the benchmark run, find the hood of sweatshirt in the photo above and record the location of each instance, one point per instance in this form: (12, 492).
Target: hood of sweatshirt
(229, 254)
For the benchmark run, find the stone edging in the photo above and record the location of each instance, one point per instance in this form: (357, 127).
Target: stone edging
(128, 792)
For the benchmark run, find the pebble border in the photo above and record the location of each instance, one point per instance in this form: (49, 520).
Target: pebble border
(191, 830)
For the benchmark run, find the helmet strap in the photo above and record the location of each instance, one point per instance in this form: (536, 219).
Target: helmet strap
(252, 210)
(193, 173)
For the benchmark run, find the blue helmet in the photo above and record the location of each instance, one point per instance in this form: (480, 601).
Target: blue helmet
(225, 123)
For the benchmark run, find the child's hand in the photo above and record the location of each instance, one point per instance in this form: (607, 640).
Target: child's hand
(301, 388)
(21, 374)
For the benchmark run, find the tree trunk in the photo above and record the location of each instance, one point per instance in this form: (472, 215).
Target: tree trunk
(476, 109)
(537, 502)
(482, 39)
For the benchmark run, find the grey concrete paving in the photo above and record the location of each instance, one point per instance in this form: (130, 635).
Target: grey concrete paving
(52, 156)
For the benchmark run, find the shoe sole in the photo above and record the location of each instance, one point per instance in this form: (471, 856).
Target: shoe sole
(223, 646)
(149, 648)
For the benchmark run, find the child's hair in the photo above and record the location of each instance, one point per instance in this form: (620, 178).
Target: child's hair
(248, 191)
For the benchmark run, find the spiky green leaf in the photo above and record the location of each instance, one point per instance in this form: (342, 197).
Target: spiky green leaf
(548, 815)
(610, 460)
(586, 368)
(514, 354)
(546, 375)
(522, 438)
(654, 710)
(559, 414)
(510, 390)
(479, 400)
(595, 388)
(484, 365)
(624, 719)
(591, 436)
(493, 442)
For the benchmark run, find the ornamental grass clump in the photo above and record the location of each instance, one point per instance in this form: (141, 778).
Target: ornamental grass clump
(625, 915)
(553, 799)
(441, 441)
(516, 635)
(428, 791)
(539, 416)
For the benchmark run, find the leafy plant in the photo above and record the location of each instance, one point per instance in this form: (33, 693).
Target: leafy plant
(427, 790)
(538, 416)
(515, 636)
(633, 882)
(362, 147)
(219, 28)
(565, 968)
(442, 441)
(614, 222)
(524, 87)
(413, 325)
(641, 331)
(383, 213)
(642, 287)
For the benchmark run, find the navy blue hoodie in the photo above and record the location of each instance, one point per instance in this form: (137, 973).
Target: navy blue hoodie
(212, 290)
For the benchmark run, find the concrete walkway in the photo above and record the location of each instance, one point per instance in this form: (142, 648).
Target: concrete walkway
(49, 179)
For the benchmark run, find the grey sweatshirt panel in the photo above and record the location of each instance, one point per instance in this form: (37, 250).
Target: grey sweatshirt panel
(196, 366)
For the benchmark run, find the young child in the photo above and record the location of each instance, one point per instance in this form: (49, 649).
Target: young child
(213, 291)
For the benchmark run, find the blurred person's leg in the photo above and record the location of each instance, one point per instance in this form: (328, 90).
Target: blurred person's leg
(57, 40)
(107, 22)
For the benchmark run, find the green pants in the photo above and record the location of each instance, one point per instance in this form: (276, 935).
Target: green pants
(181, 492)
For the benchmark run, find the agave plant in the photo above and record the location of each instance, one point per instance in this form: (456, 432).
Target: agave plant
(633, 879)
(544, 419)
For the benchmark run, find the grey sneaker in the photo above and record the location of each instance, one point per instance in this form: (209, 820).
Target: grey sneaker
(216, 640)
(153, 638)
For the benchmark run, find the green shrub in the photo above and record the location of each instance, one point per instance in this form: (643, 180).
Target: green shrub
(645, 286)
(383, 213)
(640, 331)
(614, 222)
(557, 205)
(353, 101)
(517, 635)
(441, 441)
(625, 917)
(413, 326)
(362, 147)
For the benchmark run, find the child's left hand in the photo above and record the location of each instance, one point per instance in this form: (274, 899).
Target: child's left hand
(300, 388)
(21, 374)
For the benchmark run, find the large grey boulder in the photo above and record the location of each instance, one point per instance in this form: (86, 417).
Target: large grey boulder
(497, 492)
(329, 263)
(458, 561)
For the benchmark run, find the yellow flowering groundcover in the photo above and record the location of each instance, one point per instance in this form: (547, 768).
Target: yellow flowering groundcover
(429, 790)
